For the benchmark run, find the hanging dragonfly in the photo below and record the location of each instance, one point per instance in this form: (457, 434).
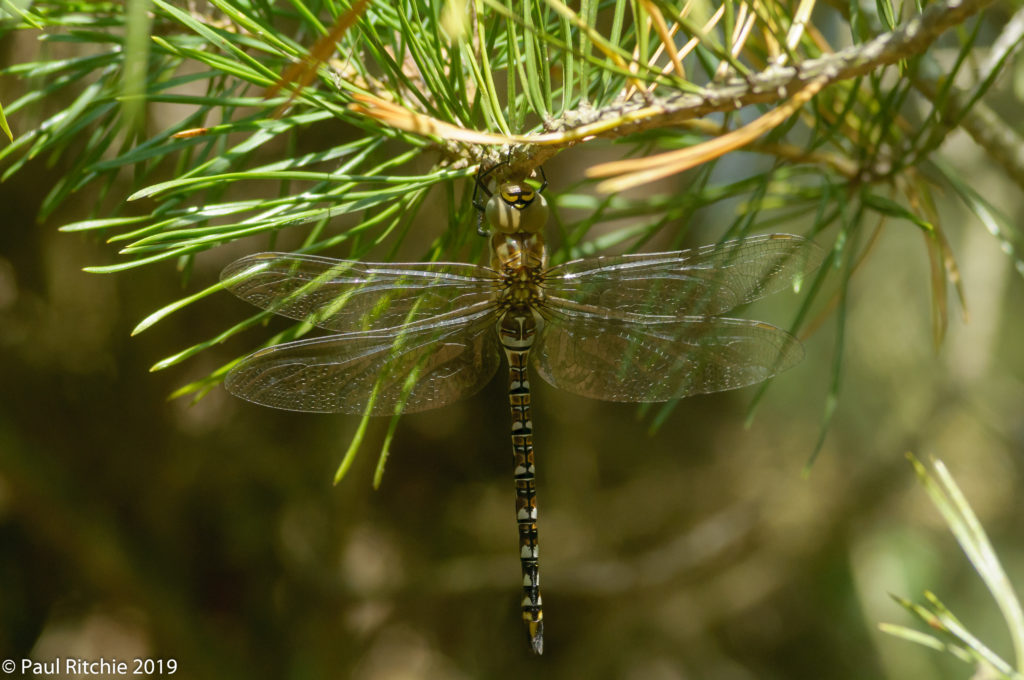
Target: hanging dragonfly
(417, 336)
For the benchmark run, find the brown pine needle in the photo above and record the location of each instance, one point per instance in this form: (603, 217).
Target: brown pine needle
(741, 31)
(421, 124)
(634, 172)
(937, 284)
(685, 50)
(191, 132)
(600, 42)
(299, 75)
(801, 18)
(661, 28)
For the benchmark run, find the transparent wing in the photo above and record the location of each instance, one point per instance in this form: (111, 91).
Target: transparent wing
(703, 281)
(342, 295)
(410, 369)
(660, 358)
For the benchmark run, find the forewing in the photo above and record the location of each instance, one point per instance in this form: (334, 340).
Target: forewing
(704, 281)
(343, 295)
(660, 358)
(412, 369)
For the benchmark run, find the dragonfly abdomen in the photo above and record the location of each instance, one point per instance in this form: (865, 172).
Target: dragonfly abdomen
(517, 332)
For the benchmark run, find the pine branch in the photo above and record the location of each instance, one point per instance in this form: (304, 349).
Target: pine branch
(410, 79)
(961, 108)
(772, 85)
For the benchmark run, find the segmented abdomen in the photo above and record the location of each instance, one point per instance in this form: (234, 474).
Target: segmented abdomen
(517, 333)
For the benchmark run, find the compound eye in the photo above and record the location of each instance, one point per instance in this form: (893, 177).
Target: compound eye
(518, 195)
(534, 216)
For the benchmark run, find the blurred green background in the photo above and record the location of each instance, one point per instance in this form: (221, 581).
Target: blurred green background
(134, 526)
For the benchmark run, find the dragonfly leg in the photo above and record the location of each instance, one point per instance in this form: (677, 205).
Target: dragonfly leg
(480, 187)
(543, 178)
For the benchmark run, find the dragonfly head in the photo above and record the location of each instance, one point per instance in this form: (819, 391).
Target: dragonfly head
(517, 207)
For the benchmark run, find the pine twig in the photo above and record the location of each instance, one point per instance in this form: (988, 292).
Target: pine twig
(774, 84)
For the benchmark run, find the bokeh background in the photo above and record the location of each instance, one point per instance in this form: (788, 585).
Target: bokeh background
(134, 526)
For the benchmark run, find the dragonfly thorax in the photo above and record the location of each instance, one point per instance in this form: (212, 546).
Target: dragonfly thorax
(520, 259)
(511, 253)
(517, 208)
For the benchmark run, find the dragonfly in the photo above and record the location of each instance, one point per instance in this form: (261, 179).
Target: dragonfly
(408, 337)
